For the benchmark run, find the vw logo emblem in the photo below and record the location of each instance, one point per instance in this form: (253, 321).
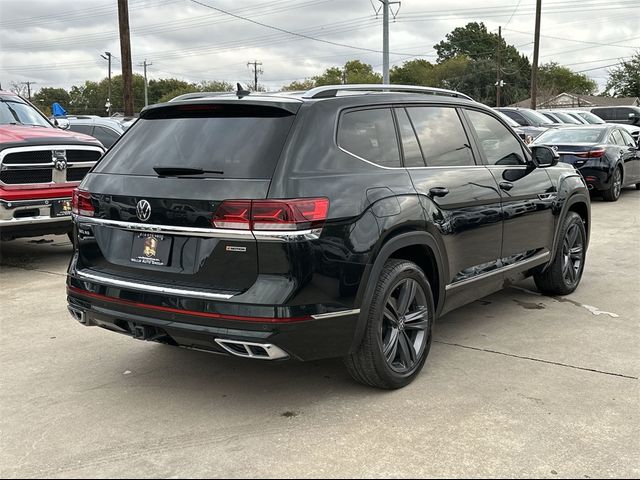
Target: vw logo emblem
(143, 210)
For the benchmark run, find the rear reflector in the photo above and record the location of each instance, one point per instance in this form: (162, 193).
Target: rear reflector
(81, 203)
(293, 214)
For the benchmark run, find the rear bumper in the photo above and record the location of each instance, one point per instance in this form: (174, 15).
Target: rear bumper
(306, 337)
(596, 178)
(28, 218)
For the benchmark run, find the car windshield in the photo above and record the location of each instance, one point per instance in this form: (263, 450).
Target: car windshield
(538, 118)
(571, 135)
(18, 113)
(591, 118)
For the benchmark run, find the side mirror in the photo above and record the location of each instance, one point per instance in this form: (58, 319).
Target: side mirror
(632, 116)
(62, 123)
(543, 156)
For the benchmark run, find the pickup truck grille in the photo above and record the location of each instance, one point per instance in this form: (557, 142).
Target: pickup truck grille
(49, 164)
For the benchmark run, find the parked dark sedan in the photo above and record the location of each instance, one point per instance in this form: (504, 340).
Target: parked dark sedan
(606, 155)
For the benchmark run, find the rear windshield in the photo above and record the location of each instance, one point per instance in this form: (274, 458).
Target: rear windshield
(241, 141)
(571, 135)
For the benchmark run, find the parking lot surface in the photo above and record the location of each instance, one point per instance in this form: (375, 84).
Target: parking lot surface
(517, 384)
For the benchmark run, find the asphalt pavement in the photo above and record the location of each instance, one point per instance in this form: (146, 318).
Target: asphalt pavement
(516, 385)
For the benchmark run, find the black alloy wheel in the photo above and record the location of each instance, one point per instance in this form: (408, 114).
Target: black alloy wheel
(612, 194)
(563, 275)
(397, 335)
(404, 324)
(572, 255)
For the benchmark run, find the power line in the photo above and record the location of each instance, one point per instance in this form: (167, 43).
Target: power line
(329, 42)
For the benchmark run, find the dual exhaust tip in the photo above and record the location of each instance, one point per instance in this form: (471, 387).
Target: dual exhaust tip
(258, 351)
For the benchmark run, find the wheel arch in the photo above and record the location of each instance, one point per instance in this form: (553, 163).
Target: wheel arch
(418, 247)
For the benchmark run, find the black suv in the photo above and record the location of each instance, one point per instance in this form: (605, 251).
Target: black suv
(338, 222)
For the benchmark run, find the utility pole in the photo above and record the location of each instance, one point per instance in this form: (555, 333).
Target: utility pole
(125, 52)
(385, 37)
(28, 84)
(108, 105)
(536, 51)
(499, 74)
(256, 71)
(145, 65)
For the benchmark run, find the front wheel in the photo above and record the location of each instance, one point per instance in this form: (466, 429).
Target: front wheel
(398, 333)
(563, 275)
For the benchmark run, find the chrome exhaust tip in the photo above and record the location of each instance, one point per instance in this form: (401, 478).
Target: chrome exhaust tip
(590, 186)
(77, 314)
(260, 351)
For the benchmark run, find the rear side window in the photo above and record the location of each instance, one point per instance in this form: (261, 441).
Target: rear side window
(242, 141)
(106, 136)
(371, 135)
(441, 135)
(86, 129)
(628, 139)
(516, 116)
(617, 137)
(499, 144)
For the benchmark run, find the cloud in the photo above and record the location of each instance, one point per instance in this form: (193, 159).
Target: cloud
(58, 43)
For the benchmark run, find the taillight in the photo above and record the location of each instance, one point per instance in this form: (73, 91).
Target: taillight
(81, 203)
(293, 214)
(595, 152)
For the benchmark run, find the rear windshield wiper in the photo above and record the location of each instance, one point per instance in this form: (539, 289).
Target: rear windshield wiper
(182, 171)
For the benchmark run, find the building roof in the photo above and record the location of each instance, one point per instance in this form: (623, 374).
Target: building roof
(574, 100)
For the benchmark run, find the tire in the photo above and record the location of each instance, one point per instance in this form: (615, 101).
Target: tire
(563, 276)
(612, 194)
(397, 339)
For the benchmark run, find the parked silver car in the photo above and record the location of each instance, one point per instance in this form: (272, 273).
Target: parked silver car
(106, 130)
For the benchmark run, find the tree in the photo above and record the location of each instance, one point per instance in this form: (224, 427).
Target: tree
(354, 71)
(624, 80)
(306, 84)
(479, 46)
(554, 79)
(413, 72)
(158, 89)
(45, 97)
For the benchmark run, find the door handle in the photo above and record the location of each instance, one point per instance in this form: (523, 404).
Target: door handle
(438, 192)
(506, 186)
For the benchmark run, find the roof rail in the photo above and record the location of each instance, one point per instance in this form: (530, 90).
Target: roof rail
(332, 90)
(191, 96)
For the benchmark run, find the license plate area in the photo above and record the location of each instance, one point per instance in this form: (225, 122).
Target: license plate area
(151, 249)
(61, 208)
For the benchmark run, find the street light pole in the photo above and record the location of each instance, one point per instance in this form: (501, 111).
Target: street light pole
(385, 38)
(108, 57)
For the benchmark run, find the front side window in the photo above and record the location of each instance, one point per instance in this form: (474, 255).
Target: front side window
(371, 135)
(499, 145)
(441, 135)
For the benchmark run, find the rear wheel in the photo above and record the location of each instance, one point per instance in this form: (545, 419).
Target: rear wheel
(398, 333)
(612, 193)
(563, 275)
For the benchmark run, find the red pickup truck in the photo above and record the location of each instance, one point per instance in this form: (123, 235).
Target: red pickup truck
(40, 165)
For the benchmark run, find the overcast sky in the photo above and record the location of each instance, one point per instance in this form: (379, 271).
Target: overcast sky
(57, 43)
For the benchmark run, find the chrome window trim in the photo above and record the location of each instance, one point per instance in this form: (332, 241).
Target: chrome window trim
(113, 282)
(535, 260)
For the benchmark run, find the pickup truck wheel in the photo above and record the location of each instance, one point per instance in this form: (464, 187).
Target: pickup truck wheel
(563, 275)
(612, 194)
(397, 338)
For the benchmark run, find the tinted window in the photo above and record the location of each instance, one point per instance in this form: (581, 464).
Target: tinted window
(243, 141)
(628, 139)
(370, 134)
(410, 146)
(516, 116)
(441, 136)
(86, 129)
(500, 146)
(617, 137)
(536, 118)
(591, 118)
(549, 116)
(603, 113)
(106, 136)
